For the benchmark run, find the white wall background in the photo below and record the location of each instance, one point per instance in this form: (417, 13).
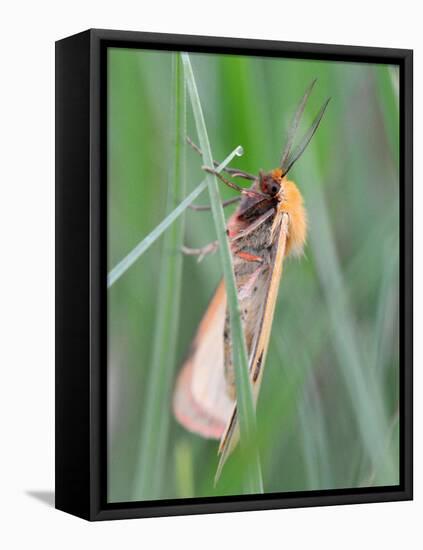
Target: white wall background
(28, 32)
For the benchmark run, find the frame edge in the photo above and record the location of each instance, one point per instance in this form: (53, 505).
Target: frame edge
(72, 384)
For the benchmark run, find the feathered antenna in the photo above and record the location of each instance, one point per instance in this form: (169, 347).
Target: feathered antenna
(288, 158)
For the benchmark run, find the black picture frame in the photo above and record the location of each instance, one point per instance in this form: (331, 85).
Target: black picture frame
(81, 273)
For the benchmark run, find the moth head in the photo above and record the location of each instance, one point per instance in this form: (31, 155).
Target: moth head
(271, 182)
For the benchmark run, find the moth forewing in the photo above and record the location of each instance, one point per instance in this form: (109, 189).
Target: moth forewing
(278, 236)
(280, 229)
(200, 401)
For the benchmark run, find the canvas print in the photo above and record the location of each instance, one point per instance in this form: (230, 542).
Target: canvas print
(253, 275)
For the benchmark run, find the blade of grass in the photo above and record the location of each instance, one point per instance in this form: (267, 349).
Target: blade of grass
(184, 470)
(150, 474)
(120, 268)
(386, 314)
(245, 403)
(387, 82)
(365, 397)
(316, 450)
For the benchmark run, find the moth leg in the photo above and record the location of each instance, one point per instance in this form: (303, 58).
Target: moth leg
(234, 172)
(207, 207)
(232, 185)
(223, 179)
(201, 252)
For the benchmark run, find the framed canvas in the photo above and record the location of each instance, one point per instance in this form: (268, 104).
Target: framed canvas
(233, 274)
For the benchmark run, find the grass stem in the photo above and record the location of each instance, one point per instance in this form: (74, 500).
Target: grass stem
(245, 403)
(149, 482)
(120, 268)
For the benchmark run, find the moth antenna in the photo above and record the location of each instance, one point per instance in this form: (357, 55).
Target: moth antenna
(306, 139)
(295, 123)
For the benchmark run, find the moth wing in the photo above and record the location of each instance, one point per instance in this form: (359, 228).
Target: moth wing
(200, 401)
(257, 358)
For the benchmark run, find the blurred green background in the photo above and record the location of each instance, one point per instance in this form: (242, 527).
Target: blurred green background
(328, 410)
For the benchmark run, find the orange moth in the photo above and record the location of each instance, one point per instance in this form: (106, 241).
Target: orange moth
(269, 224)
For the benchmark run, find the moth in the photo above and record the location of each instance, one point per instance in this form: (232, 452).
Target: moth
(269, 224)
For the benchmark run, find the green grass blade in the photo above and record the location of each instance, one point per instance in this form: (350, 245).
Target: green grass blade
(245, 403)
(387, 81)
(184, 470)
(119, 269)
(316, 450)
(386, 312)
(156, 413)
(366, 401)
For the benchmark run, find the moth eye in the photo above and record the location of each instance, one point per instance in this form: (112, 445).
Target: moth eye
(274, 189)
